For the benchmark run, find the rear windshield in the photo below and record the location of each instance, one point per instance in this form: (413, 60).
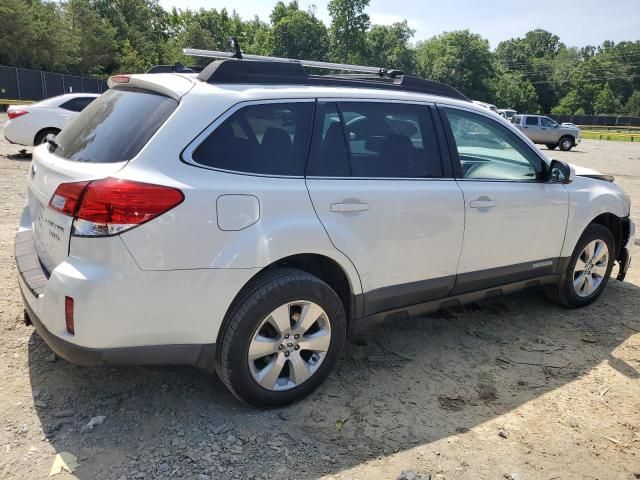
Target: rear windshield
(115, 126)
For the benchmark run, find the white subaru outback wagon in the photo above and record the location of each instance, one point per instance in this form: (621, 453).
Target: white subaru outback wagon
(247, 218)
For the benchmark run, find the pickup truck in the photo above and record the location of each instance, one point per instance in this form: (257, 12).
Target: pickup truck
(545, 131)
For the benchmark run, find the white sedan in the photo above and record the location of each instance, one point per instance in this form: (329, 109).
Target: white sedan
(30, 124)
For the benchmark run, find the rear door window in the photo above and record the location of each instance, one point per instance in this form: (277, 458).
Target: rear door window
(115, 126)
(268, 139)
(77, 104)
(393, 140)
(329, 156)
(531, 121)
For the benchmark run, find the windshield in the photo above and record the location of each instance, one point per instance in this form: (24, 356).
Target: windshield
(115, 126)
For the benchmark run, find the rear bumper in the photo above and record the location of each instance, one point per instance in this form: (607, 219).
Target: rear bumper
(196, 355)
(18, 134)
(32, 281)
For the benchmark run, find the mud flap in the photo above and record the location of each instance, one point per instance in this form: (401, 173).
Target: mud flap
(624, 259)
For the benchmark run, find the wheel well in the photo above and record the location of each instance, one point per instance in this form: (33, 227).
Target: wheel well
(44, 130)
(614, 224)
(327, 270)
(573, 139)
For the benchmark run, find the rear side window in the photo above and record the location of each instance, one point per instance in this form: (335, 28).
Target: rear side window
(268, 139)
(329, 156)
(391, 140)
(531, 121)
(77, 104)
(115, 126)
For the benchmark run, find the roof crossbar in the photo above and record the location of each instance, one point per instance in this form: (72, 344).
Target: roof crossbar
(195, 52)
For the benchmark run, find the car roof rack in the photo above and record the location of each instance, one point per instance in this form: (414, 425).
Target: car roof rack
(236, 67)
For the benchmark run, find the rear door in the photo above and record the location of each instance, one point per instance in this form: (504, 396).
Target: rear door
(378, 185)
(96, 144)
(69, 109)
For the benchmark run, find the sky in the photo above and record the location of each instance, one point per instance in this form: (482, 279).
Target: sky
(576, 22)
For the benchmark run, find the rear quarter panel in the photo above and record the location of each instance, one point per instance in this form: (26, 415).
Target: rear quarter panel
(189, 236)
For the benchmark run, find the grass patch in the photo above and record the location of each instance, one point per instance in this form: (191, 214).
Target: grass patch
(617, 137)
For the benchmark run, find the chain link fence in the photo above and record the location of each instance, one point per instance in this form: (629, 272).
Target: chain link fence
(599, 120)
(21, 85)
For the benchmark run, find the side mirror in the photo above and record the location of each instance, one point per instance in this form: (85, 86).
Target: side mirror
(561, 172)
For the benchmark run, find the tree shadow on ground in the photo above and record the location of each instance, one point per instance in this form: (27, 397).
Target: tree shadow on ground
(417, 380)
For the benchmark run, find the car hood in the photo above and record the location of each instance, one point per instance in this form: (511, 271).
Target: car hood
(590, 173)
(584, 171)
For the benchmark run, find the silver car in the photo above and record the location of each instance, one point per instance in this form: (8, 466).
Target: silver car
(545, 131)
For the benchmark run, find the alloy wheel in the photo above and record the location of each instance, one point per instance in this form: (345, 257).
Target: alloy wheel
(289, 345)
(591, 268)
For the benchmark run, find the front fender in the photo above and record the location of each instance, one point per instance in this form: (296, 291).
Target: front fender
(588, 199)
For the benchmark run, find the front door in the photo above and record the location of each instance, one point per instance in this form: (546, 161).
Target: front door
(531, 128)
(515, 220)
(376, 182)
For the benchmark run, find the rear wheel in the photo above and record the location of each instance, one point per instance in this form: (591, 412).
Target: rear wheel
(281, 338)
(566, 144)
(552, 146)
(41, 136)
(588, 270)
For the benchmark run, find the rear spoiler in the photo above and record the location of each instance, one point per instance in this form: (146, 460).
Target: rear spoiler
(169, 84)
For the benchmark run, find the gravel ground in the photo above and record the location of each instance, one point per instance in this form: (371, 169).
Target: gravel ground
(516, 388)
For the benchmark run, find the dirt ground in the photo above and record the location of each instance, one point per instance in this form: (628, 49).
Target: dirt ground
(517, 388)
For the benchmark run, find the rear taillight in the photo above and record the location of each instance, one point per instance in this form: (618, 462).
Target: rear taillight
(65, 198)
(111, 206)
(16, 113)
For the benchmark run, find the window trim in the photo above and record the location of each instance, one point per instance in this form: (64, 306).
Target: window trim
(442, 149)
(453, 149)
(186, 156)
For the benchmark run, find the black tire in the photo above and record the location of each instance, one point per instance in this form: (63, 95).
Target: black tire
(566, 143)
(552, 146)
(564, 292)
(258, 299)
(41, 136)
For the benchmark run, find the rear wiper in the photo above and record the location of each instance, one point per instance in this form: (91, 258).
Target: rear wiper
(51, 140)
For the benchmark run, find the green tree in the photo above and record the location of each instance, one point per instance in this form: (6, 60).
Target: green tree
(298, 34)
(388, 46)
(606, 102)
(349, 24)
(93, 39)
(16, 33)
(459, 58)
(570, 104)
(512, 90)
(633, 104)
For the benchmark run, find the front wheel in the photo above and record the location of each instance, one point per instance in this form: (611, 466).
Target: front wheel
(588, 270)
(281, 338)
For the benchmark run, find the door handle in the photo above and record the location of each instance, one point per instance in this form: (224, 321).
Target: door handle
(482, 202)
(349, 207)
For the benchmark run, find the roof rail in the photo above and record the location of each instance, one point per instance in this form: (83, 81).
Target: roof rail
(239, 68)
(305, 63)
